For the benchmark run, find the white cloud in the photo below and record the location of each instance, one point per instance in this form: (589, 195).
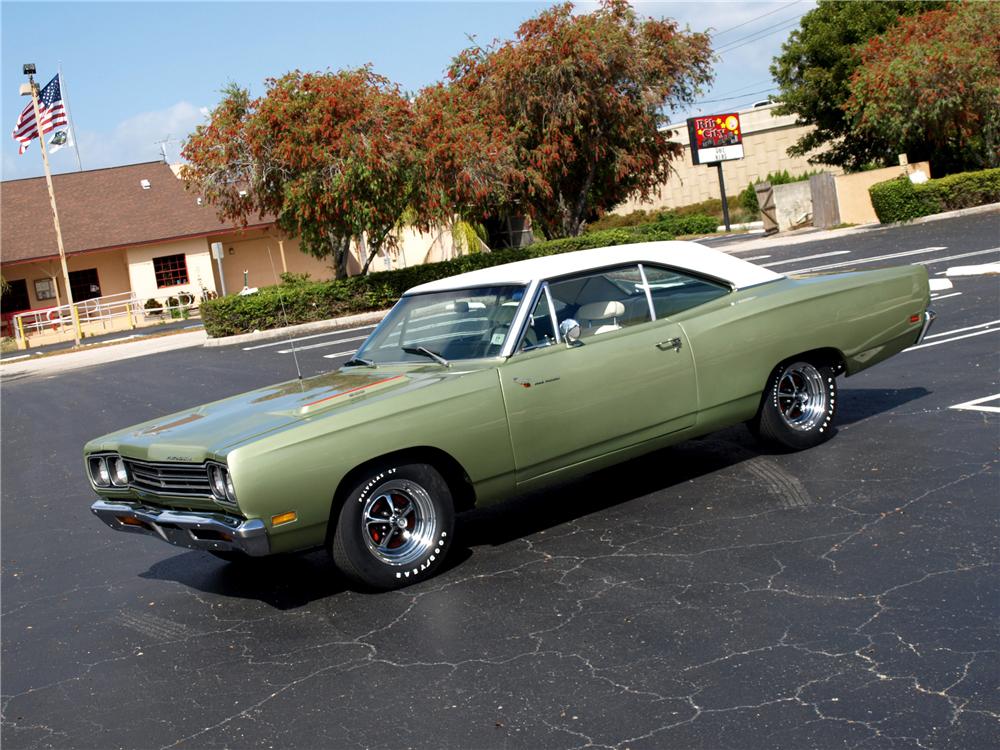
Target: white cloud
(135, 139)
(132, 140)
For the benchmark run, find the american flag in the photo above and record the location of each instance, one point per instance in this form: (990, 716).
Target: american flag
(52, 113)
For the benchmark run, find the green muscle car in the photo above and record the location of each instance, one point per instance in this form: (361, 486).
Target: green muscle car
(483, 385)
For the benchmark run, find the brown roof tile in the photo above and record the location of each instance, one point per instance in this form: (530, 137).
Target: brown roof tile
(100, 209)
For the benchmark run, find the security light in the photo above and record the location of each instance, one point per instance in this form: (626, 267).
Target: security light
(29, 69)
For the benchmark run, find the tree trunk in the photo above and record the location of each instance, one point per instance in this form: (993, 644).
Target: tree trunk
(579, 211)
(372, 250)
(341, 253)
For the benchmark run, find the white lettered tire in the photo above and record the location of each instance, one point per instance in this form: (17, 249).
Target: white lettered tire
(798, 406)
(394, 527)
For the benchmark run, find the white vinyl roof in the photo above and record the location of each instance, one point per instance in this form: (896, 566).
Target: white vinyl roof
(677, 254)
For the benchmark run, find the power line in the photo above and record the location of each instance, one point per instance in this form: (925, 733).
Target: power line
(741, 88)
(747, 95)
(755, 18)
(757, 36)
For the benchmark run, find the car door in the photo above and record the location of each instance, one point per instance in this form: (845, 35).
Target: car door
(627, 380)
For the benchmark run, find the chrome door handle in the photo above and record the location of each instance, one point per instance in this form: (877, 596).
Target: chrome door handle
(674, 344)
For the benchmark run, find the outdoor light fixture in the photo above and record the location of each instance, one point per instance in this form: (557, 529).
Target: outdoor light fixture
(29, 69)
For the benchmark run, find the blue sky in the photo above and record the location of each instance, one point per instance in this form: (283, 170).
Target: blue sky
(139, 72)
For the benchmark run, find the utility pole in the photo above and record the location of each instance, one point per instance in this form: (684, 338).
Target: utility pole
(32, 87)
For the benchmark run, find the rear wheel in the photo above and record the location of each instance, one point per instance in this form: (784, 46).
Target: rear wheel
(394, 527)
(798, 406)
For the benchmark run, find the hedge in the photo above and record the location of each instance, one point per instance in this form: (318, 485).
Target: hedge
(901, 200)
(679, 224)
(306, 301)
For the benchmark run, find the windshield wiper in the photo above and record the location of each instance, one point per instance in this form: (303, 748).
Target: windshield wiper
(356, 361)
(427, 353)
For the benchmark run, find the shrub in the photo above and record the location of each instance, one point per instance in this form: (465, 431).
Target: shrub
(901, 200)
(152, 307)
(663, 221)
(321, 300)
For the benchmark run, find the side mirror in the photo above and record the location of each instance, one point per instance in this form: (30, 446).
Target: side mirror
(570, 331)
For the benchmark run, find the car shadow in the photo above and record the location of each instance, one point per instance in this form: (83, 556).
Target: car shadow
(291, 581)
(857, 404)
(282, 581)
(531, 513)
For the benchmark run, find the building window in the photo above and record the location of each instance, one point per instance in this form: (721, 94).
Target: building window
(15, 298)
(170, 270)
(45, 289)
(84, 284)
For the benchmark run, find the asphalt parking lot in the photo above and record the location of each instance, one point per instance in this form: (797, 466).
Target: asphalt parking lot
(711, 595)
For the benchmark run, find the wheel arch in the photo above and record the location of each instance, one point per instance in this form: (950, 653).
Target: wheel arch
(462, 491)
(824, 356)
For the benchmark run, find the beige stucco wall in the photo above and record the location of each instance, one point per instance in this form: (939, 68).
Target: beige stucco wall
(766, 139)
(143, 278)
(248, 251)
(112, 274)
(852, 191)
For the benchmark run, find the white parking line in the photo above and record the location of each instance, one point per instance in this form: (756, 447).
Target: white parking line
(961, 330)
(975, 404)
(338, 354)
(757, 257)
(303, 338)
(320, 346)
(804, 257)
(955, 257)
(874, 259)
(946, 296)
(956, 338)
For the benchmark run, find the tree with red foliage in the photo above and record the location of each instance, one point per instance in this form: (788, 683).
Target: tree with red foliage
(931, 84)
(330, 155)
(584, 98)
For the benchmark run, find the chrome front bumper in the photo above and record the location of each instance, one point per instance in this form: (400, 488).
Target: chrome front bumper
(194, 530)
(929, 316)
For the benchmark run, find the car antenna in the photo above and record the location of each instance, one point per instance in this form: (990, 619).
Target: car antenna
(284, 315)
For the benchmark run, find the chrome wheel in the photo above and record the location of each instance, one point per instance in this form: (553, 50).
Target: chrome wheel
(801, 396)
(399, 522)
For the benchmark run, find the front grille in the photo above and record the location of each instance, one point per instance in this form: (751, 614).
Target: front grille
(173, 479)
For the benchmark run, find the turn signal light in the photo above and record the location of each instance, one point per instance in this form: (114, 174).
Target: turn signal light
(129, 521)
(284, 518)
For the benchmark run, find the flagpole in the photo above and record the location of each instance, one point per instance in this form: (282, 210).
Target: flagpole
(55, 212)
(70, 122)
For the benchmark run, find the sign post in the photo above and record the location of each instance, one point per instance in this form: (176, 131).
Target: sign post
(715, 139)
(219, 254)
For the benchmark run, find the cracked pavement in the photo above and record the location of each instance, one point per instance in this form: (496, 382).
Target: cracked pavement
(711, 595)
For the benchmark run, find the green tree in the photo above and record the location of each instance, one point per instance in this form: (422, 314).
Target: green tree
(330, 155)
(814, 71)
(931, 86)
(584, 97)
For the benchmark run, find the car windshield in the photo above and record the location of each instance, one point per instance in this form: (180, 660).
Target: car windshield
(444, 326)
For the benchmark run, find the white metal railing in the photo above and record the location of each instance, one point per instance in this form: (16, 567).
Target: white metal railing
(97, 310)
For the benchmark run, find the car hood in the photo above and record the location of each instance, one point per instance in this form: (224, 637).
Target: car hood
(207, 431)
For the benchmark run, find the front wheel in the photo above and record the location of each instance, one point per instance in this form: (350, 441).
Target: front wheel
(394, 527)
(798, 406)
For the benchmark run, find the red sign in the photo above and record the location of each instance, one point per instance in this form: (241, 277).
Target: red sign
(715, 138)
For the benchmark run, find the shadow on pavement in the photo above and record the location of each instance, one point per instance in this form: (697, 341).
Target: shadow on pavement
(282, 581)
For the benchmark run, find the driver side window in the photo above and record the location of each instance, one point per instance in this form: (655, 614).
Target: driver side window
(602, 302)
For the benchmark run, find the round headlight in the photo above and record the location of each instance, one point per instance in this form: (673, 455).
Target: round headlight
(99, 471)
(119, 474)
(230, 490)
